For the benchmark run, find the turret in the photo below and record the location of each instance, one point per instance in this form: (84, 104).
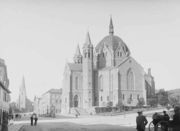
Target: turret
(78, 56)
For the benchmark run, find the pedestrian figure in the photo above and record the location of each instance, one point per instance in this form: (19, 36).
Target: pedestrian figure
(165, 118)
(31, 120)
(141, 121)
(35, 119)
(155, 118)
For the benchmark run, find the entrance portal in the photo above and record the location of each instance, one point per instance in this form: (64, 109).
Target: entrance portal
(75, 101)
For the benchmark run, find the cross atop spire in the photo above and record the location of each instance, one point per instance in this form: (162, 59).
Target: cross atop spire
(111, 28)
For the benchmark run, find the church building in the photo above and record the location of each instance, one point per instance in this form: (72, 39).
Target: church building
(104, 73)
(24, 104)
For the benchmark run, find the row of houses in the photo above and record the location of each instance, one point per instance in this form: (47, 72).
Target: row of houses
(49, 104)
(4, 90)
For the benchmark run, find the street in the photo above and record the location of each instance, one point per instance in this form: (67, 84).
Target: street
(75, 127)
(126, 122)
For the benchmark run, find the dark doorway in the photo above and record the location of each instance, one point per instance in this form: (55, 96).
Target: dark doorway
(75, 101)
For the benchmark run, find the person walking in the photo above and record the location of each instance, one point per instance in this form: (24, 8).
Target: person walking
(31, 118)
(166, 120)
(35, 119)
(141, 121)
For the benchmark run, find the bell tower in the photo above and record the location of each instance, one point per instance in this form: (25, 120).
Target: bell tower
(87, 73)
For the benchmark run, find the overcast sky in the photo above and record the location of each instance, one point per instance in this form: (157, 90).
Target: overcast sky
(37, 37)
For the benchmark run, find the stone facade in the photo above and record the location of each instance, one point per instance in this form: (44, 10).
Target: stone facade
(106, 73)
(4, 90)
(49, 103)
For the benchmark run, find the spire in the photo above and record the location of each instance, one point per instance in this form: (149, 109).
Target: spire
(88, 40)
(78, 52)
(23, 86)
(111, 28)
(23, 82)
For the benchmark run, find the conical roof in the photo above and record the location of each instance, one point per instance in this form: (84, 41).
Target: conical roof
(88, 41)
(78, 52)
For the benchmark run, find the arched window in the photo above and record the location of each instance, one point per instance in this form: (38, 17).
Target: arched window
(103, 54)
(76, 82)
(88, 54)
(130, 80)
(101, 98)
(101, 83)
(119, 80)
(118, 53)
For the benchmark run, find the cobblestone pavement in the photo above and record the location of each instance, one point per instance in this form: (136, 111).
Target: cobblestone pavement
(14, 127)
(74, 127)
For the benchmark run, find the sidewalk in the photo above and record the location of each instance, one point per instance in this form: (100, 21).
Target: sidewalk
(15, 127)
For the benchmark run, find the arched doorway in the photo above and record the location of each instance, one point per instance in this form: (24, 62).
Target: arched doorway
(76, 101)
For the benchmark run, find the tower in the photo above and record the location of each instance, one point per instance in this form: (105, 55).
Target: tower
(87, 67)
(22, 95)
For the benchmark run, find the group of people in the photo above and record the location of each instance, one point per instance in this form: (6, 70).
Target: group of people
(141, 120)
(34, 119)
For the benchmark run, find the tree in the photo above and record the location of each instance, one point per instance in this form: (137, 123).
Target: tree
(152, 101)
(120, 106)
(141, 102)
(174, 100)
(162, 96)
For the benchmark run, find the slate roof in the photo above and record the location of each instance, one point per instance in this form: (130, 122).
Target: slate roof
(75, 67)
(112, 42)
(54, 91)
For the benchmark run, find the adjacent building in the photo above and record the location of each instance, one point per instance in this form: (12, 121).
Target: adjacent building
(49, 103)
(4, 90)
(104, 73)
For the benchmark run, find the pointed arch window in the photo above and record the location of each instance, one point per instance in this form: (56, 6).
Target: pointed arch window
(76, 82)
(101, 83)
(130, 80)
(88, 54)
(120, 54)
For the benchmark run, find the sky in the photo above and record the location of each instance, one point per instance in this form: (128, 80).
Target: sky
(38, 37)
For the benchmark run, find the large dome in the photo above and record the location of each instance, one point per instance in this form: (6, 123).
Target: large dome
(112, 42)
